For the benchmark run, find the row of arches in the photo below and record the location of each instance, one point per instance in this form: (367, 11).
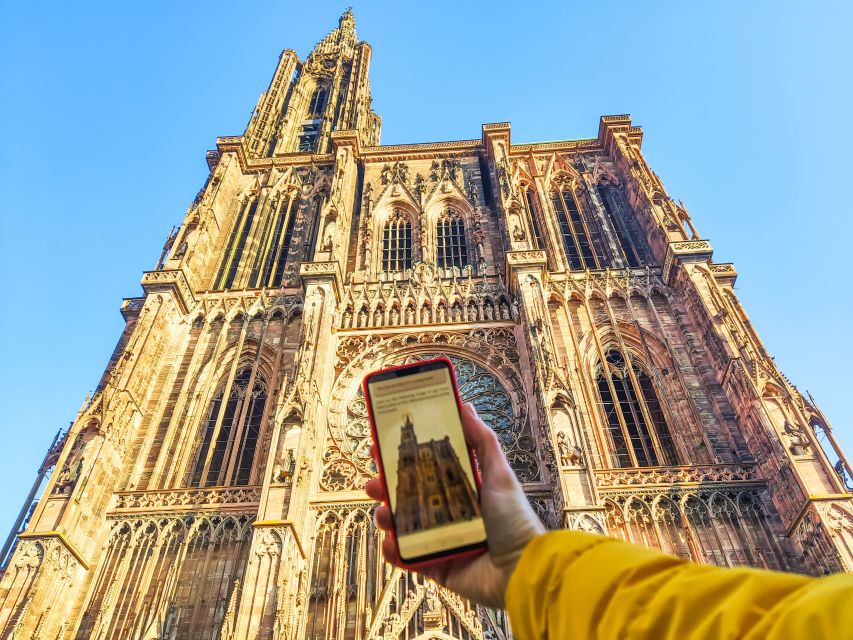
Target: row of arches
(353, 591)
(474, 309)
(173, 575)
(726, 529)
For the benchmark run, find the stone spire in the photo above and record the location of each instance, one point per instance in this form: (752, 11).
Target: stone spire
(308, 100)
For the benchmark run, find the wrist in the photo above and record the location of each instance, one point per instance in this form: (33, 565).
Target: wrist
(508, 569)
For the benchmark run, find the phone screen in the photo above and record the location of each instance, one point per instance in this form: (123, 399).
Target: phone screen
(432, 493)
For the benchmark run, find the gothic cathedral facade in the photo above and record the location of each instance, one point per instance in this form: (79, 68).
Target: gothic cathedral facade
(211, 486)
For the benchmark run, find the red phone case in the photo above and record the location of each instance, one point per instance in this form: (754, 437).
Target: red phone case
(450, 555)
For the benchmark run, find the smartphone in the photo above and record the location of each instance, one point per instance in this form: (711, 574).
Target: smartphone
(431, 479)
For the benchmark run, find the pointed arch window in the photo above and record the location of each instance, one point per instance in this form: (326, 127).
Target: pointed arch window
(576, 232)
(227, 450)
(618, 226)
(317, 102)
(637, 426)
(397, 243)
(530, 200)
(322, 572)
(452, 248)
(234, 251)
(276, 246)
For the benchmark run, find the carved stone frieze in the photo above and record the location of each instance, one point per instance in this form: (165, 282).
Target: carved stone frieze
(243, 499)
(666, 476)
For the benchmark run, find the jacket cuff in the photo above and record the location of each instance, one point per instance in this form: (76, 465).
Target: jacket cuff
(538, 575)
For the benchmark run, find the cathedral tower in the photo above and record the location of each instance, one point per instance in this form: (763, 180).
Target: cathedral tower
(211, 486)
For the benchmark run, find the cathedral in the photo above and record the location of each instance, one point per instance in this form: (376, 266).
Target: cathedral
(211, 487)
(432, 488)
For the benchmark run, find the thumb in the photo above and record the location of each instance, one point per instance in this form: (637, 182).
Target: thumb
(484, 441)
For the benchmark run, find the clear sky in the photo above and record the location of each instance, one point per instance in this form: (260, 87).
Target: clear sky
(107, 109)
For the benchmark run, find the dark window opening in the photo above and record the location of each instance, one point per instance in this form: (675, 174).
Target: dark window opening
(634, 417)
(575, 232)
(397, 244)
(226, 454)
(621, 234)
(308, 137)
(452, 249)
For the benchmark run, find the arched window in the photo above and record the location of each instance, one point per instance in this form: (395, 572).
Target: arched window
(638, 431)
(577, 235)
(640, 525)
(274, 248)
(618, 226)
(227, 449)
(709, 548)
(317, 102)
(234, 251)
(760, 533)
(452, 250)
(322, 572)
(674, 540)
(314, 218)
(532, 212)
(397, 243)
(730, 532)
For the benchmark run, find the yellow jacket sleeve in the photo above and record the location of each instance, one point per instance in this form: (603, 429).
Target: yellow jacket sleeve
(570, 584)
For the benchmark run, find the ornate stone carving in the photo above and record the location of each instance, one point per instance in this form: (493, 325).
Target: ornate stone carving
(212, 498)
(666, 476)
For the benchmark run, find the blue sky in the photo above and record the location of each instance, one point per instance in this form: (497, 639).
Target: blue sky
(107, 110)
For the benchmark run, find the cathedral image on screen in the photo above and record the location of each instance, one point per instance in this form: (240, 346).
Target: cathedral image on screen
(432, 487)
(211, 487)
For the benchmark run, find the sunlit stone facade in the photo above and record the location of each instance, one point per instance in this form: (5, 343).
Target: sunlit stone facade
(211, 487)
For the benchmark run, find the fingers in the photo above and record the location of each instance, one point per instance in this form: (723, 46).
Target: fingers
(382, 515)
(375, 488)
(389, 550)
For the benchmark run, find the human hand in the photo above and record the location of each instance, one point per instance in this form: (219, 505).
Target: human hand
(510, 523)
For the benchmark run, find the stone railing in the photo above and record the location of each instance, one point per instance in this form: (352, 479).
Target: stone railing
(240, 499)
(666, 476)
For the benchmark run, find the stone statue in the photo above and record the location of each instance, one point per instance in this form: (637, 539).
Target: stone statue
(377, 318)
(473, 193)
(490, 311)
(433, 601)
(410, 315)
(472, 313)
(479, 239)
(563, 448)
(841, 470)
(518, 234)
(570, 454)
(504, 307)
(362, 318)
(516, 312)
(797, 438)
(367, 201)
(347, 322)
(68, 477)
(395, 316)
